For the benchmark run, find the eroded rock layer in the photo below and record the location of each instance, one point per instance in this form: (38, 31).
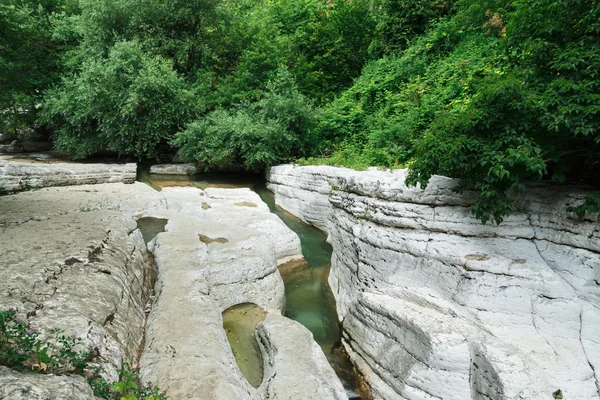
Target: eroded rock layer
(436, 305)
(22, 174)
(221, 247)
(81, 269)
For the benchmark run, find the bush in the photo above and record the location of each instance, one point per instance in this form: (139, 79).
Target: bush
(23, 347)
(128, 103)
(496, 95)
(275, 129)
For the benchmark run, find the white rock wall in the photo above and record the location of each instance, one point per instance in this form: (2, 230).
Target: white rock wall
(436, 305)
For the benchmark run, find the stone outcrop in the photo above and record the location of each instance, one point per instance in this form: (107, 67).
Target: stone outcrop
(32, 386)
(436, 305)
(290, 356)
(23, 175)
(221, 247)
(174, 169)
(84, 271)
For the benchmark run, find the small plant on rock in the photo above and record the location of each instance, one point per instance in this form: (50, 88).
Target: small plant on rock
(22, 347)
(129, 387)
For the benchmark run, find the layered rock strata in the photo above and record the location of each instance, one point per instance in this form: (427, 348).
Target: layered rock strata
(436, 305)
(24, 175)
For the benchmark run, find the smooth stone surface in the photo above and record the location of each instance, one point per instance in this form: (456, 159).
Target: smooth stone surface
(436, 305)
(295, 366)
(221, 247)
(72, 258)
(31, 386)
(82, 271)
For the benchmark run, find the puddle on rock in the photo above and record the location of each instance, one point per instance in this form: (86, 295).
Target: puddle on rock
(208, 240)
(240, 322)
(150, 227)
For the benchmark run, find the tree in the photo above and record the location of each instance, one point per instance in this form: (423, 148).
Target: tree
(275, 129)
(29, 58)
(129, 103)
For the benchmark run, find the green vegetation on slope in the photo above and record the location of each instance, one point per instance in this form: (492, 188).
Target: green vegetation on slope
(495, 93)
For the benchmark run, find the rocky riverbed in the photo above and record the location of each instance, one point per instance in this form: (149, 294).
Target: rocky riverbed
(74, 258)
(435, 305)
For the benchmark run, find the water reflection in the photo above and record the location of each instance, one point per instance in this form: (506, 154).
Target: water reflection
(150, 227)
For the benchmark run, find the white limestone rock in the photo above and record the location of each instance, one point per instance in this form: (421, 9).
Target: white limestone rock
(131, 200)
(83, 272)
(33, 386)
(72, 258)
(184, 336)
(295, 366)
(244, 208)
(523, 297)
(20, 175)
(210, 258)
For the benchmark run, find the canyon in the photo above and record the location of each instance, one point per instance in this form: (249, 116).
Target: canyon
(436, 305)
(432, 303)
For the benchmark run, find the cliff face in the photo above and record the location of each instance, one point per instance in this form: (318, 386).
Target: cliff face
(436, 305)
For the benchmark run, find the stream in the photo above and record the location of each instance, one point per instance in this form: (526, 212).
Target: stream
(308, 297)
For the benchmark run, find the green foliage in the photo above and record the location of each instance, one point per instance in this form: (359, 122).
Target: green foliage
(129, 103)
(323, 44)
(29, 58)
(183, 31)
(495, 94)
(252, 136)
(23, 347)
(129, 386)
(399, 21)
(590, 207)
(386, 111)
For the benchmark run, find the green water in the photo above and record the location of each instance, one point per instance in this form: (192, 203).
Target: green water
(150, 227)
(240, 323)
(308, 297)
